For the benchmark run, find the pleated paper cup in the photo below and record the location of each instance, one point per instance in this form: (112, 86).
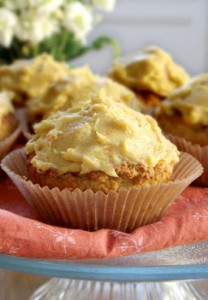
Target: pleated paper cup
(23, 119)
(124, 210)
(199, 152)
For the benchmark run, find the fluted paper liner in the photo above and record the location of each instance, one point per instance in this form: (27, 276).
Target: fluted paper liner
(23, 119)
(8, 142)
(124, 210)
(199, 152)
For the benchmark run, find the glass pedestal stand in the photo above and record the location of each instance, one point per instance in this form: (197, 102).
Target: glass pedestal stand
(65, 289)
(178, 273)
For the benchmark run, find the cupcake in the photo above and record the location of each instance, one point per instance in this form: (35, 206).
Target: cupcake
(100, 165)
(184, 115)
(151, 73)
(9, 129)
(102, 147)
(81, 86)
(30, 78)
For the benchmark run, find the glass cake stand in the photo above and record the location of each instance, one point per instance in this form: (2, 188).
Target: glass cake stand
(174, 273)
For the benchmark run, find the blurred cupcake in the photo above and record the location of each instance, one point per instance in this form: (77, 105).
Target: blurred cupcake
(184, 114)
(151, 73)
(100, 166)
(30, 78)
(9, 129)
(81, 86)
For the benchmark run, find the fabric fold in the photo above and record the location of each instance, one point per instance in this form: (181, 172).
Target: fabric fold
(21, 234)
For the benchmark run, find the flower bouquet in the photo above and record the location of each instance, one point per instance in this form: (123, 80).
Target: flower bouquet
(58, 27)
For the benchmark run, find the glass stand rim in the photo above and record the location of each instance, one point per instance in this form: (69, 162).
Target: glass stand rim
(55, 268)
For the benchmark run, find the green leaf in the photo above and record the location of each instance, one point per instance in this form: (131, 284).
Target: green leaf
(63, 46)
(2, 3)
(102, 41)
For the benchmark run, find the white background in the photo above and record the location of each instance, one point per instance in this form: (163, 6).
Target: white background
(178, 26)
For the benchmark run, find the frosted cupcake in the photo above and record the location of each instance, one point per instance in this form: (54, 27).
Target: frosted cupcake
(81, 86)
(30, 78)
(151, 73)
(100, 147)
(184, 114)
(100, 166)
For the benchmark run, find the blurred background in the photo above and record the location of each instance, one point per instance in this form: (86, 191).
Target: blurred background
(178, 26)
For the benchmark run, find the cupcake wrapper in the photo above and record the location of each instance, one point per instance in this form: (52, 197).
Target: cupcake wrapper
(23, 119)
(199, 152)
(124, 210)
(8, 142)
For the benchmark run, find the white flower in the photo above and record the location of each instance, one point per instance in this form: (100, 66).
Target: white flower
(78, 19)
(105, 4)
(8, 22)
(16, 4)
(46, 6)
(35, 27)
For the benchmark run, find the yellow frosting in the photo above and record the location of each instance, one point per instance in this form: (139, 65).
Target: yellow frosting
(151, 69)
(74, 88)
(98, 137)
(191, 100)
(5, 104)
(31, 77)
(81, 86)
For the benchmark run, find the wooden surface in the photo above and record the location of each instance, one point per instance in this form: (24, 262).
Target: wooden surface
(18, 286)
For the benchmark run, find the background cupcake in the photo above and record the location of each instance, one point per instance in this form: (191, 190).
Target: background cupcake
(81, 86)
(30, 78)
(184, 114)
(151, 73)
(8, 120)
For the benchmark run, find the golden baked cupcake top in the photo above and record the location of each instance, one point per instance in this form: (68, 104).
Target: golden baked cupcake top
(190, 100)
(82, 85)
(30, 78)
(151, 69)
(98, 137)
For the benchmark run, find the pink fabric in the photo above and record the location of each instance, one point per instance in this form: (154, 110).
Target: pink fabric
(21, 233)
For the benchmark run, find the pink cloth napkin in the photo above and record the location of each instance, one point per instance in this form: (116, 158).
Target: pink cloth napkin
(23, 234)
